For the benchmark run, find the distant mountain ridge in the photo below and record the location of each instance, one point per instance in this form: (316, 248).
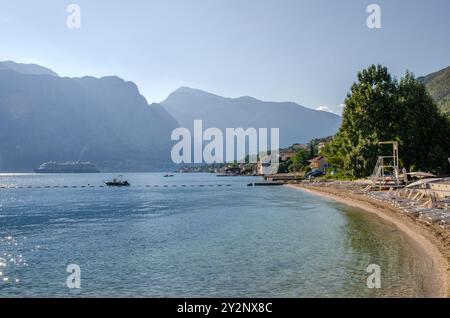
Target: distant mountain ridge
(438, 85)
(297, 124)
(44, 117)
(31, 69)
(103, 120)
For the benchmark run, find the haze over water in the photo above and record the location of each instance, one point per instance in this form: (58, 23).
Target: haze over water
(201, 236)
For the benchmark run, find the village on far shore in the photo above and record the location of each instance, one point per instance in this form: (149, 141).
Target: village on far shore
(295, 161)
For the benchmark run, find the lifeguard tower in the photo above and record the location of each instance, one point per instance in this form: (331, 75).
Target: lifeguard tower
(387, 171)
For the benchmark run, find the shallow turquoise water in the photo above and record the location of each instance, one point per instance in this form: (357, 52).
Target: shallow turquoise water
(200, 236)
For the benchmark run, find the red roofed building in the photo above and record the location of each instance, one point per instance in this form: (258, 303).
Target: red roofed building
(318, 163)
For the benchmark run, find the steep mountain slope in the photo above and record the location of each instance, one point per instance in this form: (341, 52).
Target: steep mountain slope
(438, 84)
(105, 120)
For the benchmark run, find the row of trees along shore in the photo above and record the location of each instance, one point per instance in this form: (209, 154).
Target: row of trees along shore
(382, 108)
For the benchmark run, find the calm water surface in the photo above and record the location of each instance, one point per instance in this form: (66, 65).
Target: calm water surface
(192, 235)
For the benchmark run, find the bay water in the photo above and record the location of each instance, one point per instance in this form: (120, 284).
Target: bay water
(192, 235)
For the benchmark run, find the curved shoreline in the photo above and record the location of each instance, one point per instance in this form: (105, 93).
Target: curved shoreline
(425, 242)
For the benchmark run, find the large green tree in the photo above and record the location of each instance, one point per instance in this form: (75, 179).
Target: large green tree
(380, 108)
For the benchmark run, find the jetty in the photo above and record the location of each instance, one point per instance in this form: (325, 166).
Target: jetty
(282, 177)
(264, 184)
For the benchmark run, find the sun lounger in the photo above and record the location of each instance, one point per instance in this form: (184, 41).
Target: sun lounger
(417, 211)
(435, 218)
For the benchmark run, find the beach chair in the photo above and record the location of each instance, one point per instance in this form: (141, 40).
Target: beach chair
(415, 211)
(435, 218)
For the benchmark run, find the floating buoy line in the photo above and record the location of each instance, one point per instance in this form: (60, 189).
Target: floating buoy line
(103, 186)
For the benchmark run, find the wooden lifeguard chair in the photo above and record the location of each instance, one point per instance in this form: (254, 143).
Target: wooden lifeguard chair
(380, 176)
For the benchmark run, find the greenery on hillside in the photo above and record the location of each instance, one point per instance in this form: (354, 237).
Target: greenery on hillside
(297, 163)
(438, 85)
(300, 161)
(380, 108)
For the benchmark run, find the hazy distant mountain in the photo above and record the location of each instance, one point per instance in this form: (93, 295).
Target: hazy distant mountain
(438, 84)
(44, 117)
(31, 69)
(297, 124)
(106, 120)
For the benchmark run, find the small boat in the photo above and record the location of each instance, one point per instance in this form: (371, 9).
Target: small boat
(117, 182)
(168, 176)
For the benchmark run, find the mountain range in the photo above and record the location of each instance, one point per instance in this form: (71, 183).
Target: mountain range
(297, 124)
(45, 117)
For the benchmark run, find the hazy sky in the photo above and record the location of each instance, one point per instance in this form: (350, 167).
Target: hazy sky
(279, 50)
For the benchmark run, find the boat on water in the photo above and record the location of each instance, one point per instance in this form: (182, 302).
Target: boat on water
(67, 167)
(168, 176)
(117, 182)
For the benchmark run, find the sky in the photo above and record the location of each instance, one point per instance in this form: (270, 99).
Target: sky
(307, 52)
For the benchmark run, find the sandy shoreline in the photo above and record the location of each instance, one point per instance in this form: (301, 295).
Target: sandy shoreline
(428, 244)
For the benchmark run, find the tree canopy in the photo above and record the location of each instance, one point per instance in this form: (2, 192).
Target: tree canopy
(380, 108)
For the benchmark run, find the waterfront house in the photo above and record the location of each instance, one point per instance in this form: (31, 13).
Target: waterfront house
(318, 163)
